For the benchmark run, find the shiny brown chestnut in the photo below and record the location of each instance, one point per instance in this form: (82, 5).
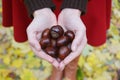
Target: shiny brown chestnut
(70, 35)
(53, 43)
(69, 46)
(51, 51)
(62, 41)
(56, 31)
(46, 33)
(45, 42)
(64, 51)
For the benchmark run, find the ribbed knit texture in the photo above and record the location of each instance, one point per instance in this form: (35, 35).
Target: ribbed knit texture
(33, 5)
(75, 4)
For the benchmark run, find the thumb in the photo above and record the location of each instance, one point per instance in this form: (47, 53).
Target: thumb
(37, 45)
(77, 40)
(33, 41)
(61, 23)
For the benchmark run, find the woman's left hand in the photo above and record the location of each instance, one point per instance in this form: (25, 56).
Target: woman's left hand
(70, 20)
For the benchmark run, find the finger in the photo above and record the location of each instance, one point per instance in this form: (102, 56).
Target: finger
(77, 40)
(61, 66)
(33, 41)
(55, 64)
(76, 53)
(39, 36)
(60, 22)
(54, 21)
(43, 55)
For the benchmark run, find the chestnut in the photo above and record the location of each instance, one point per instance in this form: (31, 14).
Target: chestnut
(69, 46)
(70, 35)
(53, 43)
(46, 33)
(56, 31)
(51, 51)
(45, 42)
(63, 52)
(62, 41)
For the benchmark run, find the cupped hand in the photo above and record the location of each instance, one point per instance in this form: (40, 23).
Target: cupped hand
(43, 18)
(70, 20)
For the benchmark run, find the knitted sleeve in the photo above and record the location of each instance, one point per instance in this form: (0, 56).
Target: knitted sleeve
(75, 4)
(33, 5)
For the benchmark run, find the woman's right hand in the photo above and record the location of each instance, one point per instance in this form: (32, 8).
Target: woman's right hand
(43, 18)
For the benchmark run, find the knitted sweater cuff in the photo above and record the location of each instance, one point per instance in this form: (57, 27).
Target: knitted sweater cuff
(33, 5)
(75, 4)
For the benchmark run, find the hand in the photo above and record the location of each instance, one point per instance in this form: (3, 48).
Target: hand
(70, 20)
(43, 18)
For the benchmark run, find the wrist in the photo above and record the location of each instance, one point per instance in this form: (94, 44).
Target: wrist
(44, 11)
(70, 11)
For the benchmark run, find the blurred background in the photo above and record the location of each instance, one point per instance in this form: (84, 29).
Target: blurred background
(18, 62)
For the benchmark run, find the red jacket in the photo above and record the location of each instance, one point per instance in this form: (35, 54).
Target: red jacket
(96, 19)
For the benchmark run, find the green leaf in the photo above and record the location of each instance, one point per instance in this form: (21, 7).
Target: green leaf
(80, 75)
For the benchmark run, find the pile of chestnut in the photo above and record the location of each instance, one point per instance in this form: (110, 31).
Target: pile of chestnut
(57, 43)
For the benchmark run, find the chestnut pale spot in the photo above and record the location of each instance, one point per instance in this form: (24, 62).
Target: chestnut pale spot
(56, 31)
(62, 41)
(70, 35)
(46, 33)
